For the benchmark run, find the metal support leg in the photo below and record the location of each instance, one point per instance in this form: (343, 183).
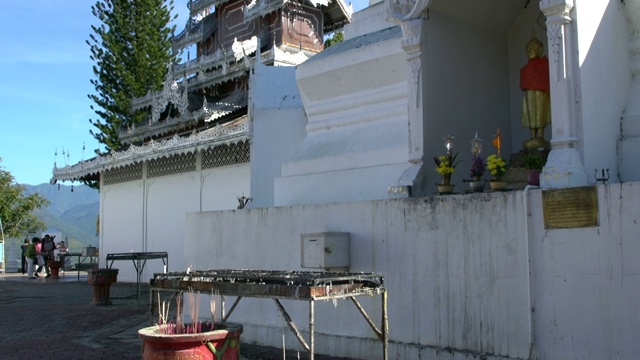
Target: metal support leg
(385, 327)
(235, 303)
(292, 325)
(312, 342)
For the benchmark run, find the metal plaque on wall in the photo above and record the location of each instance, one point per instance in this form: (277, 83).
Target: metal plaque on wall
(570, 208)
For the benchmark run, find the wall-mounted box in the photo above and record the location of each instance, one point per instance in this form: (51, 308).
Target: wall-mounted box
(90, 251)
(326, 250)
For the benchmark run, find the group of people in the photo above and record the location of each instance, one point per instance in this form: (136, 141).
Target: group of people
(38, 252)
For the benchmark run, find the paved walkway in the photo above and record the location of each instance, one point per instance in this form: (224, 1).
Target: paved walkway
(53, 319)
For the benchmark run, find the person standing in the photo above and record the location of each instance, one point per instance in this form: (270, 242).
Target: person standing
(24, 247)
(30, 257)
(41, 255)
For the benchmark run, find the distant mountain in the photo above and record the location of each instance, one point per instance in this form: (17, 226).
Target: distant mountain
(72, 213)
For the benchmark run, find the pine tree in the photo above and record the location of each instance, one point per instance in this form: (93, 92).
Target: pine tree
(132, 52)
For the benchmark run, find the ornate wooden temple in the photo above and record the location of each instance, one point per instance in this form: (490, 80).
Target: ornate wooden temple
(203, 106)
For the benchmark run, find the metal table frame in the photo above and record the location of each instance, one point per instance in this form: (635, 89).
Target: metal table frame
(80, 260)
(139, 260)
(301, 285)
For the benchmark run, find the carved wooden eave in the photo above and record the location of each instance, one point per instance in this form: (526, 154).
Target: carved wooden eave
(195, 6)
(335, 12)
(221, 58)
(282, 56)
(220, 67)
(228, 133)
(236, 101)
(259, 8)
(207, 111)
(195, 31)
(221, 75)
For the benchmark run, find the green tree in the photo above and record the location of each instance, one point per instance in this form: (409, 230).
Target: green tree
(16, 209)
(337, 37)
(132, 52)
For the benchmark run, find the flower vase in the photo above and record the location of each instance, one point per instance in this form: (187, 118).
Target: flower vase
(445, 188)
(476, 185)
(497, 185)
(533, 177)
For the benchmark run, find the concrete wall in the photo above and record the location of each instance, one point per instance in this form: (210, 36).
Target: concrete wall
(605, 77)
(148, 215)
(278, 127)
(587, 282)
(456, 268)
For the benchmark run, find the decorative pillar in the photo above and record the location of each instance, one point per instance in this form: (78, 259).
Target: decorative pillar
(630, 142)
(412, 44)
(564, 166)
(411, 15)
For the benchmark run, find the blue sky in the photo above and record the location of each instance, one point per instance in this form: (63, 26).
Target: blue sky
(45, 71)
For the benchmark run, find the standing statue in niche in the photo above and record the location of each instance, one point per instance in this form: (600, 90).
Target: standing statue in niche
(536, 104)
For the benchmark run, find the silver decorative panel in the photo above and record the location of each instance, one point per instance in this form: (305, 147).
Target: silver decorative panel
(176, 164)
(226, 154)
(122, 174)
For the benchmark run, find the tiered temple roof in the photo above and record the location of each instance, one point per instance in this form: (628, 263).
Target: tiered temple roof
(204, 96)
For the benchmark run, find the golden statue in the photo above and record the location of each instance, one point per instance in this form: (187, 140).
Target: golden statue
(536, 104)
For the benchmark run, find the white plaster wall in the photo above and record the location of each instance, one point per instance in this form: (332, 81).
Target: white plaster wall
(587, 281)
(278, 126)
(604, 82)
(455, 267)
(456, 270)
(168, 199)
(125, 228)
(221, 187)
(122, 223)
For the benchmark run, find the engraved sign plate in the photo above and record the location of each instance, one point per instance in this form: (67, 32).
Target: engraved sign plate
(570, 208)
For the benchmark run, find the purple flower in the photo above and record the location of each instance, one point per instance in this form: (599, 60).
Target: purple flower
(477, 167)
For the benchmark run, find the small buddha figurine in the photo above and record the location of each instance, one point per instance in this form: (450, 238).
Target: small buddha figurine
(536, 103)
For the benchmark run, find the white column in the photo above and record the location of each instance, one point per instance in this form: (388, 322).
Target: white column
(630, 143)
(412, 45)
(564, 166)
(411, 16)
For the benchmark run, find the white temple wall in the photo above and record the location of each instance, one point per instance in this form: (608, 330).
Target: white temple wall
(587, 282)
(605, 78)
(149, 215)
(456, 270)
(121, 223)
(278, 127)
(168, 198)
(221, 187)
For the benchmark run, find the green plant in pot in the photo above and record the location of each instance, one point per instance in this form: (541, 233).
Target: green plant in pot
(497, 166)
(534, 164)
(446, 166)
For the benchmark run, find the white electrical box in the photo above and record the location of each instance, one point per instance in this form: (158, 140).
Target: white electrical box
(326, 250)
